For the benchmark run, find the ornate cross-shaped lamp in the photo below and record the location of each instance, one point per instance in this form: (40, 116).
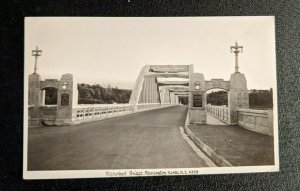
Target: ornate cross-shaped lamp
(237, 49)
(36, 53)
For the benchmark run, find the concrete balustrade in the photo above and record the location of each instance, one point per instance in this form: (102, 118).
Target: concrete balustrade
(102, 111)
(220, 112)
(46, 115)
(88, 112)
(256, 120)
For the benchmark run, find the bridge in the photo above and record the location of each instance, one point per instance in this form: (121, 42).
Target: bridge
(145, 133)
(157, 86)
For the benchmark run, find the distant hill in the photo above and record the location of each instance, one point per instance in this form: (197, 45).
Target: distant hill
(96, 94)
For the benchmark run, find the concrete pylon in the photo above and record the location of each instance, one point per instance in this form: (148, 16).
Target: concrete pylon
(67, 100)
(177, 99)
(164, 94)
(172, 98)
(197, 88)
(137, 90)
(35, 98)
(167, 96)
(238, 95)
(35, 94)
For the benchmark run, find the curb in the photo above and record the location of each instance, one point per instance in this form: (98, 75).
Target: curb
(196, 149)
(217, 159)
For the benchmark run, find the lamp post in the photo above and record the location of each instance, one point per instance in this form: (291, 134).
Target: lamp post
(36, 53)
(237, 49)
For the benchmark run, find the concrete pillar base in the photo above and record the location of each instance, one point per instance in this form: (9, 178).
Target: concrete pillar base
(197, 115)
(64, 122)
(34, 122)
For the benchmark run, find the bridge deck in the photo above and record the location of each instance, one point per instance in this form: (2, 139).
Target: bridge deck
(149, 139)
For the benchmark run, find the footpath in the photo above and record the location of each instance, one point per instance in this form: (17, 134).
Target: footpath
(233, 145)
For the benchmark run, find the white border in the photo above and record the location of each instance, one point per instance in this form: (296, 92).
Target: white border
(67, 174)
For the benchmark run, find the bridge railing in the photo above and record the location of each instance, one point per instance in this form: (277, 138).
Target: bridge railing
(220, 112)
(101, 111)
(256, 120)
(87, 112)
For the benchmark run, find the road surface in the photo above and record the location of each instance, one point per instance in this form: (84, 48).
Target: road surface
(149, 139)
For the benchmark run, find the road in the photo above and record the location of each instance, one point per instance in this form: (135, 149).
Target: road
(149, 139)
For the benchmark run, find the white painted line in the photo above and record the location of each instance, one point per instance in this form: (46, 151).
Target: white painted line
(199, 153)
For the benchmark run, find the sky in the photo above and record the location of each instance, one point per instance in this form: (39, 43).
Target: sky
(113, 50)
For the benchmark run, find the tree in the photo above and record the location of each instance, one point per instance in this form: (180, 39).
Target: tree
(261, 98)
(257, 98)
(96, 94)
(217, 98)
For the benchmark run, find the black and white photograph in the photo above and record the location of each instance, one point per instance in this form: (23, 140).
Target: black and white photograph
(149, 96)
